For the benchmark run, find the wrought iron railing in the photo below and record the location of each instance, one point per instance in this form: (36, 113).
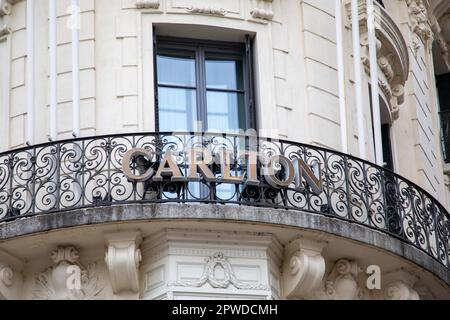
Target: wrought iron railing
(88, 172)
(445, 134)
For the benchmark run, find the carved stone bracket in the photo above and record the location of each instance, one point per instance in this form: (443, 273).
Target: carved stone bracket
(303, 269)
(10, 276)
(123, 257)
(419, 22)
(262, 9)
(68, 279)
(6, 276)
(399, 286)
(147, 4)
(342, 281)
(218, 261)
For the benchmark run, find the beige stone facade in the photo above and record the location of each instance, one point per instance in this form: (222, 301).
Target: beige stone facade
(176, 254)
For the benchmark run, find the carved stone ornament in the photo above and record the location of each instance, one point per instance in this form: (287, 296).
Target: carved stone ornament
(342, 282)
(303, 269)
(5, 10)
(207, 11)
(6, 276)
(419, 19)
(123, 257)
(262, 9)
(215, 263)
(10, 276)
(147, 4)
(392, 56)
(55, 283)
(399, 286)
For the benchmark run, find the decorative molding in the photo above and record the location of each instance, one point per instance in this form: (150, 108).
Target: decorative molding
(399, 286)
(218, 260)
(154, 247)
(303, 269)
(123, 258)
(5, 10)
(52, 283)
(418, 16)
(221, 12)
(10, 276)
(147, 4)
(392, 55)
(342, 282)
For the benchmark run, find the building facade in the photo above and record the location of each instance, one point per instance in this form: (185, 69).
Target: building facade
(239, 149)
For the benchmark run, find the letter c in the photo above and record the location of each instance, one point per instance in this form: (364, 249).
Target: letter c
(126, 164)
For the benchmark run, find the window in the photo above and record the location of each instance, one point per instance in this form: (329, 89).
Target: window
(385, 131)
(387, 147)
(203, 85)
(442, 84)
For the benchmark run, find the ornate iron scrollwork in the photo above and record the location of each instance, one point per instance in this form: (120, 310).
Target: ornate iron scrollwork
(87, 172)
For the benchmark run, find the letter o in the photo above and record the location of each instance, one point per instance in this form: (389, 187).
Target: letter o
(270, 174)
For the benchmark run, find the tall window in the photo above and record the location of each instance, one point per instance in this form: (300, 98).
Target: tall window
(388, 157)
(203, 86)
(443, 85)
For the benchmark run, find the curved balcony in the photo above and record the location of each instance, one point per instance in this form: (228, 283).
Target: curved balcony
(157, 168)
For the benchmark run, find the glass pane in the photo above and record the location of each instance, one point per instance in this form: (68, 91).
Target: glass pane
(225, 111)
(176, 69)
(177, 109)
(223, 73)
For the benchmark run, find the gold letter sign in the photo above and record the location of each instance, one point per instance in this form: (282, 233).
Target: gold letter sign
(278, 171)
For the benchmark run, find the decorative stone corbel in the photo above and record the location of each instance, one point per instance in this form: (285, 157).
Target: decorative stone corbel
(399, 286)
(342, 282)
(419, 23)
(147, 4)
(303, 269)
(123, 257)
(262, 9)
(10, 276)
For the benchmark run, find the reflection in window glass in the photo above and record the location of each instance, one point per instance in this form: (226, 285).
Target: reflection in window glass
(225, 111)
(224, 74)
(176, 70)
(177, 109)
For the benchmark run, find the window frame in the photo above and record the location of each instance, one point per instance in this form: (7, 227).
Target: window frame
(199, 48)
